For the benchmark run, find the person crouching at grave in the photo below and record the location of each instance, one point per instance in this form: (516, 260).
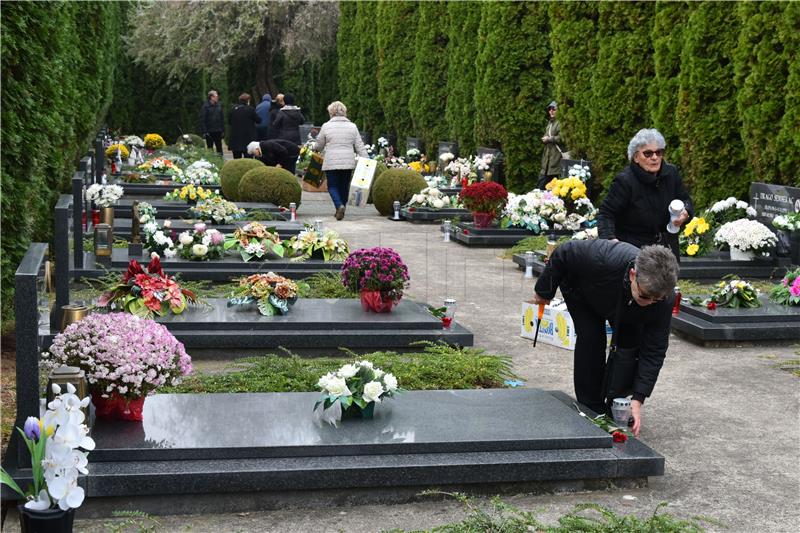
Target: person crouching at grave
(275, 153)
(633, 290)
(636, 208)
(340, 143)
(243, 120)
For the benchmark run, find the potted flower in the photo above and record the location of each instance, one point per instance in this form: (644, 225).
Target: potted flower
(162, 166)
(788, 227)
(569, 189)
(147, 293)
(201, 172)
(55, 442)
(731, 292)
(191, 194)
(485, 199)
(111, 151)
(309, 244)
(254, 240)
(746, 239)
(729, 210)
(104, 197)
(431, 198)
(531, 211)
(272, 294)
(694, 239)
(356, 388)
(125, 358)
(217, 210)
(154, 141)
(155, 239)
(787, 291)
(379, 274)
(136, 177)
(483, 165)
(201, 243)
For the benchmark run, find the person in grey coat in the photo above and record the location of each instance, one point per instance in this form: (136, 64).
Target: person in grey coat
(341, 143)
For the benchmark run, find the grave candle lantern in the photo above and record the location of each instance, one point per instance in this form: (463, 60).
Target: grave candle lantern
(293, 212)
(446, 227)
(528, 265)
(449, 312)
(69, 374)
(103, 240)
(318, 225)
(396, 210)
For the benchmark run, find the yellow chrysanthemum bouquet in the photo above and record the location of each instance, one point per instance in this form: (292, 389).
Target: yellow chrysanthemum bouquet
(154, 141)
(695, 237)
(111, 151)
(571, 190)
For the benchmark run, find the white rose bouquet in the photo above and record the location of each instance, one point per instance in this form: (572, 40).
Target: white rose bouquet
(104, 195)
(201, 172)
(746, 235)
(356, 388)
(433, 198)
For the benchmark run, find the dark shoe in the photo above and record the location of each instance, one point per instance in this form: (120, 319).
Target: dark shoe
(340, 212)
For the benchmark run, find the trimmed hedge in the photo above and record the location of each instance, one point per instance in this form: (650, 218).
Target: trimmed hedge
(396, 184)
(462, 46)
(369, 115)
(347, 43)
(231, 174)
(270, 184)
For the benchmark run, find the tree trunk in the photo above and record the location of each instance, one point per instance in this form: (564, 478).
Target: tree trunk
(265, 81)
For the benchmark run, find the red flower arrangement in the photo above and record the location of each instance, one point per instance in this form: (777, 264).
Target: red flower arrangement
(145, 293)
(484, 197)
(711, 306)
(619, 436)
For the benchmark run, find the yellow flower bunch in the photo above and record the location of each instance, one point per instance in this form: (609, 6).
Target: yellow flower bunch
(692, 249)
(572, 188)
(111, 151)
(154, 141)
(419, 166)
(191, 193)
(696, 225)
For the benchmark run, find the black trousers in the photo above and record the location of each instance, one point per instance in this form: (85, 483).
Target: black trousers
(214, 138)
(238, 155)
(590, 352)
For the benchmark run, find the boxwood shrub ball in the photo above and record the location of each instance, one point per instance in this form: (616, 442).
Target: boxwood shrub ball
(231, 174)
(270, 184)
(396, 184)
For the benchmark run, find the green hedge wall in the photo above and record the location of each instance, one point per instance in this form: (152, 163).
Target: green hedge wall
(370, 114)
(464, 18)
(58, 64)
(789, 136)
(347, 42)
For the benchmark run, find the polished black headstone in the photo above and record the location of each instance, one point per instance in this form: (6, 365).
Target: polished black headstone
(448, 146)
(770, 201)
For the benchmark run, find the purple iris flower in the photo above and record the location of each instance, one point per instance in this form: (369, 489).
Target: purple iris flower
(32, 430)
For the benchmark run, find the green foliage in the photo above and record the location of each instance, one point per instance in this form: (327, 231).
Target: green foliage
(57, 77)
(347, 43)
(368, 113)
(270, 184)
(513, 86)
(574, 43)
(192, 140)
(789, 136)
(395, 36)
(462, 46)
(712, 154)
(429, 78)
(327, 285)
(380, 168)
(623, 72)
(231, 174)
(761, 63)
(313, 84)
(528, 244)
(435, 367)
(396, 184)
(132, 521)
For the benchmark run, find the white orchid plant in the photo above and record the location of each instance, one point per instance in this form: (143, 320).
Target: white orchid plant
(104, 195)
(359, 383)
(433, 198)
(746, 235)
(55, 442)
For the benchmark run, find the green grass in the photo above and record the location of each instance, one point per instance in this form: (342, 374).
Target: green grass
(539, 242)
(584, 518)
(436, 366)
(88, 243)
(259, 215)
(692, 287)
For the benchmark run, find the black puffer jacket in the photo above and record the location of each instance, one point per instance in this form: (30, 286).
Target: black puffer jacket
(279, 152)
(243, 120)
(287, 124)
(636, 208)
(596, 273)
(211, 119)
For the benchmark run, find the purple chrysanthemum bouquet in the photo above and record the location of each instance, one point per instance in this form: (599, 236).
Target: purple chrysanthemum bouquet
(376, 269)
(122, 354)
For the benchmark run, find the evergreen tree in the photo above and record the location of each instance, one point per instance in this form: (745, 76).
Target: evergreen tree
(370, 114)
(464, 18)
(622, 74)
(396, 36)
(346, 46)
(574, 45)
(713, 160)
(789, 136)
(513, 86)
(428, 97)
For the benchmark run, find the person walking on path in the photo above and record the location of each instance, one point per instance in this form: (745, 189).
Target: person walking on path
(212, 122)
(275, 153)
(288, 120)
(262, 110)
(552, 152)
(243, 120)
(341, 143)
(630, 288)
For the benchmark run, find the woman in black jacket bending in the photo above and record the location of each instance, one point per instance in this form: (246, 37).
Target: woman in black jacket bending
(636, 208)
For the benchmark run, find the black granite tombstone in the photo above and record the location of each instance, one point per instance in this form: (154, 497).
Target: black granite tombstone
(448, 146)
(365, 136)
(770, 201)
(496, 168)
(415, 142)
(392, 139)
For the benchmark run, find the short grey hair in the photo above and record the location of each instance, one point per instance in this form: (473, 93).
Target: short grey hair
(657, 270)
(337, 109)
(644, 137)
(252, 147)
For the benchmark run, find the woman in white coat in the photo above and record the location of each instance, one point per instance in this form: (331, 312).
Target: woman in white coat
(340, 143)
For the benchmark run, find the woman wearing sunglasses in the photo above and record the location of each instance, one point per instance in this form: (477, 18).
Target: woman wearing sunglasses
(636, 208)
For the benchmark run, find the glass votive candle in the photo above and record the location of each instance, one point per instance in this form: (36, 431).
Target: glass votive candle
(528, 264)
(447, 227)
(396, 210)
(621, 411)
(449, 312)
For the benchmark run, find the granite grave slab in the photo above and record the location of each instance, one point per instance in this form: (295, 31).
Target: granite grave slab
(467, 234)
(285, 229)
(166, 208)
(158, 188)
(427, 214)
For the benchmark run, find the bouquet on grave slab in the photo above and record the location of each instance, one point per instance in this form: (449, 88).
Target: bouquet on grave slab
(155, 239)
(308, 243)
(147, 292)
(533, 211)
(201, 172)
(432, 198)
(787, 290)
(417, 161)
(353, 390)
(133, 141)
(191, 194)
(136, 177)
(104, 195)
(201, 243)
(163, 166)
(484, 197)
(272, 294)
(789, 222)
(695, 239)
(217, 210)
(255, 241)
(111, 151)
(732, 292)
(154, 141)
(747, 236)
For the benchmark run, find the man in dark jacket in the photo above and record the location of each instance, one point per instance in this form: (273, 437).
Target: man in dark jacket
(276, 153)
(632, 289)
(212, 123)
(262, 110)
(243, 120)
(277, 105)
(287, 122)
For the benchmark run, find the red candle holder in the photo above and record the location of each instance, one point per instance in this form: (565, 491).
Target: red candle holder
(676, 306)
(95, 217)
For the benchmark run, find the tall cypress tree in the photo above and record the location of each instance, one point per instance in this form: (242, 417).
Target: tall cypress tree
(513, 86)
(789, 136)
(713, 160)
(370, 114)
(429, 82)
(574, 45)
(396, 36)
(761, 71)
(462, 46)
(622, 74)
(346, 46)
